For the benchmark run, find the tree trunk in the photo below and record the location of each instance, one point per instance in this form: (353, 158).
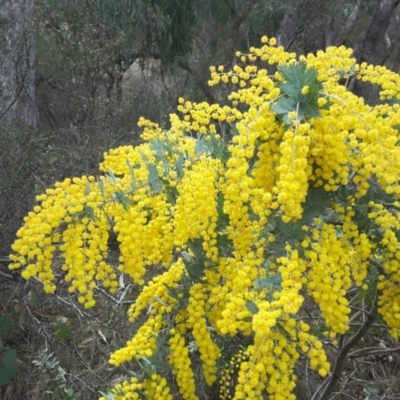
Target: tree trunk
(375, 48)
(17, 63)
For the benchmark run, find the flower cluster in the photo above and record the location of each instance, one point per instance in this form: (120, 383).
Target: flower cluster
(389, 301)
(329, 276)
(209, 351)
(154, 387)
(180, 361)
(229, 373)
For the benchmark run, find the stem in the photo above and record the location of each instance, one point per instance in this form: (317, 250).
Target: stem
(342, 356)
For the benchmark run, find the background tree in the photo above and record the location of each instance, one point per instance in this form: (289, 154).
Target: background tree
(19, 145)
(17, 69)
(369, 26)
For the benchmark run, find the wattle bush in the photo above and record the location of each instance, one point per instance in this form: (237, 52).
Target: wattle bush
(273, 218)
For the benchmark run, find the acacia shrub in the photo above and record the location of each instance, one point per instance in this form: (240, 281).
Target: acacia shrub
(267, 216)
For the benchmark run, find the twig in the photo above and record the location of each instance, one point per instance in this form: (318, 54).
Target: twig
(42, 328)
(106, 294)
(342, 356)
(80, 311)
(6, 276)
(372, 351)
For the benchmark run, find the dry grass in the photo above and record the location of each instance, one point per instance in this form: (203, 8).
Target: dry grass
(84, 351)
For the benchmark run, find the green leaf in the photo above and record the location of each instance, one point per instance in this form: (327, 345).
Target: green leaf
(144, 157)
(187, 257)
(222, 219)
(291, 90)
(110, 221)
(296, 77)
(61, 329)
(266, 231)
(289, 230)
(271, 282)
(8, 366)
(195, 265)
(195, 269)
(172, 292)
(6, 324)
(132, 174)
(309, 75)
(180, 294)
(88, 212)
(159, 358)
(156, 185)
(200, 145)
(309, 109)
(158, 147)
(179, 165)
(102, 190)
(122, 199)
(284, 105)
(224, 242)
(196, 246)
(171, 193)
(218, 147)
(111, 177)
(160, 301)
(32, 297)
(154, 181)
(279, 109)
(318, 203)
(252, 307)
(291, 235)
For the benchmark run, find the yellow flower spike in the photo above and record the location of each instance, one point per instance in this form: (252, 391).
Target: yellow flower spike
(209, 351)
(180, 361)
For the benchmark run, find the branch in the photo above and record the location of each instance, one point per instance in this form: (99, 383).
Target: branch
(373, 351)
(6, 276)
(3, 274)
(41, 327)
(349, 23)
(342, 357)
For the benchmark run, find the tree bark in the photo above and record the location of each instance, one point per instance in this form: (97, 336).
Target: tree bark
(17, 63)
(303, 28)
(375, 48)
(288, 30)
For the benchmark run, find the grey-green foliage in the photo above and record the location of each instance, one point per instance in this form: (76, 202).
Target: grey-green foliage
(296, 77)
(49, 365)
(166, 27)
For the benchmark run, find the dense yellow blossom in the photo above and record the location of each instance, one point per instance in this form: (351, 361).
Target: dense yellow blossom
(154, 387)
(180, 361)
(209, 351)
(235, 222)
